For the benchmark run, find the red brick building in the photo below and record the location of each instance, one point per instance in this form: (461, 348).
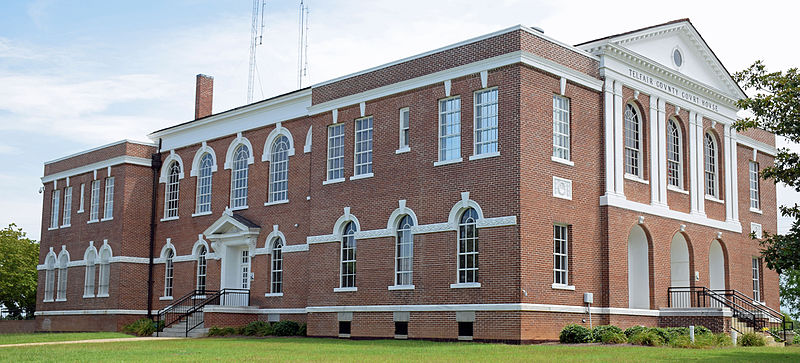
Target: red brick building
(477, 191)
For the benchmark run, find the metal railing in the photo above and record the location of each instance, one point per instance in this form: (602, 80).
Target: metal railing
(750, 315)
(189, 308)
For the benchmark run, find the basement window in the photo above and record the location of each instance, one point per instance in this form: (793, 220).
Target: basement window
(344, 329)
(465, 330)
(401, 329)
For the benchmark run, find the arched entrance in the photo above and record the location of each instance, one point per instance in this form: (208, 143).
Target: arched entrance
(716, 266)
(679, 270)
(638, 269)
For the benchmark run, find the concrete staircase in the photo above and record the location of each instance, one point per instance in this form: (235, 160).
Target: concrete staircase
(768, 338)
(178, 329)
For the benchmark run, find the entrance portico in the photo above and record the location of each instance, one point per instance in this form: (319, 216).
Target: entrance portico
(233, 239)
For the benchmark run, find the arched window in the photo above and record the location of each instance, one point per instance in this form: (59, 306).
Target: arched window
(468, 247)
(239, 177)
(88, 281)
(201, 269)
(168, 273)
(276, 275)
(204, 184)
(674, 155)
(712, 176)
(633, 141)
(63, 261)
(171, 191)
(105, 272)
(49, 277)
(404, 252)
(348, 256)
(279, 170)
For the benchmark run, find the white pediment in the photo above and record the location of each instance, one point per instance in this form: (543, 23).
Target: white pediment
(658, 44)
(230, 226)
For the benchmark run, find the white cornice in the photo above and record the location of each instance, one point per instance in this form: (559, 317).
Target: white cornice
(125, 159)
(99, 148)
(755, 144)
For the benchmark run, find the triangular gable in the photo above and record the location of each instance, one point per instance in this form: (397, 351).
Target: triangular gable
(658, 43)
(231, 224)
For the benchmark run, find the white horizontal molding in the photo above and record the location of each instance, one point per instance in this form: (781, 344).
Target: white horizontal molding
(91, 312)
(621, 202)
(124, 159)
(100, 148)
(295, 248)
(757, 145)
(576, 309)
(251, 310)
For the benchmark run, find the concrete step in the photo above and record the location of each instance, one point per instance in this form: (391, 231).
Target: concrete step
(194, 333)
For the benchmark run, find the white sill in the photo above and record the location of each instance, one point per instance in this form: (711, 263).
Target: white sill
(362, 176)
(66, 226)
(759, 211)
(403, 149)
(332, 181)
(163, 298)
(201, 214)
(677, 190)
(401, 287)
(636, 178)
(169, 219)
(463, 338)
(562, 161)
(241, 207)
(60, 300)
(714, 199)
(80, 211)
(401, 337)
(563, 287)
(52, 228)
(465, 285)
(92, 221)
(106, 295)
(51, 300)
(88, 296)
(445, 162)
(267, 204)
(345, 289)
(484, 156)
(273, 294)
(106, 219)
(344, 335)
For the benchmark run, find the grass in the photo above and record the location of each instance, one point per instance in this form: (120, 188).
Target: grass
(319, 349)
(56, 337)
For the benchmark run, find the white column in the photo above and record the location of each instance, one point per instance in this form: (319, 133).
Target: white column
(701, 195)
(619, 140)
(608, 119)
(655, 179)
(734, 176)
(693, 182)
(662, 152)
(728, 173)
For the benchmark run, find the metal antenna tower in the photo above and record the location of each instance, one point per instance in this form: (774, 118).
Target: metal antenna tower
(259, 7)
(302, 45)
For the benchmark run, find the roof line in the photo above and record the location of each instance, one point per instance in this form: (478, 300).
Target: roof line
(99, 148)
(635, 31)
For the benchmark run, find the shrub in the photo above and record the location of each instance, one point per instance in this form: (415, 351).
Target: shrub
(612, 337)
(721, 340)
(575, 333)
(796, 339)
(647, 337)
(681, 341)
(701, 330)
(598, 331)
(661, 332)
(633, 330)
(286, 328)
(215, 331)
(143, 327)
(752, 340)
(303, 330)
(257, 328)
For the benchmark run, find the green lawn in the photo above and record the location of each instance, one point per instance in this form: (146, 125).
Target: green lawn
(316, 349)
(56, 337)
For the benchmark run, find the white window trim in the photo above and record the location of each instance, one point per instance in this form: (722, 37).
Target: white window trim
(247, 170)
(484, 155)
(680, 185)
(758, 211)
(562, 161)
(439, 132)
(475, 155)
(355, 145)
(556, 286)
(401, 287)
(566, 255)
(328, 155)
(345, 289)
(403, 147)
(108, 201)
(272, 164)
(285, 201)
(715, 199)
(80, 210)
(163, 298)
(163, 219)
(66, 219)
(677, 190)
(640, 142)
(333, 181)
(273, 294)
(446, 162)
(362, 176)
(402, 150)
(196, 171)
(201, 214)
(465, 285)
(636, 178)
(569, 128)
(716, 166)
(750, 185)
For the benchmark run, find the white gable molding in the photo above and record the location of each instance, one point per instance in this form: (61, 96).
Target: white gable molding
(125, 159)
(204, 148)
(239, 140)
(167, 162)
(278, 131)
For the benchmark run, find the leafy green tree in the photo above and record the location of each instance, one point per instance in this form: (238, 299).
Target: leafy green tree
(775, 107)
(18, 258)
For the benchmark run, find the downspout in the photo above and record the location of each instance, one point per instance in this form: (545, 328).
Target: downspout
(156, 167)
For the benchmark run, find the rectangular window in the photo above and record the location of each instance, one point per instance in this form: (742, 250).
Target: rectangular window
(404, 128)
(105, 274)
(560, 254)
(80, 206)
(49, 284)
(363, 146)
(755, 202)
(344, 328)
(245, 268)
(108, 205)
(61, 294)
(54, 209)
(335, 152)
(756, 279)
(561, 127)
(67, 219)
(450, 129)
(465, 329)
(486, 122)
(94, 204)
(88, 284)
(400, 328)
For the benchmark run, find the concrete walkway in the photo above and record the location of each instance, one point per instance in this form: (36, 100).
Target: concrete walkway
(113, 340)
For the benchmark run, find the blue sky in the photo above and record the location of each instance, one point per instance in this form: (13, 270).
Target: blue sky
(79, 74)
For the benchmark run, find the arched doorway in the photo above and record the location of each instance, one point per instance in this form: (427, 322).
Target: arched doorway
(716, 266)
(679, 270)
(638, 269)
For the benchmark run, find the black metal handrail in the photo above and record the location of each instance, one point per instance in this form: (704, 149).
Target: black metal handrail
(189, 308)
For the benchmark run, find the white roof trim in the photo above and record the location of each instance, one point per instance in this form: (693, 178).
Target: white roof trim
(100, 147)
(757, 145)
(125, 159)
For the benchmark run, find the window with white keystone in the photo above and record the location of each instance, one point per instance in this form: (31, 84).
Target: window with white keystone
(348, 256)
(468, 247)
(49, 278)
(168, 273)
(561, 132)
(633, 141)
(363, 146)
(276, 273)
(335, 152)
(450, 129)
(105, 273)
(279, 170)
(201, 269)
(486, 122)
(674, 155)
(88, 281)
(62, 277)
(404, 252)
(204, 179)
(172, 190)
(239, 177)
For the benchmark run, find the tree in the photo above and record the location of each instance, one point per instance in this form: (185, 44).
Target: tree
(18, 258)
(775, 107)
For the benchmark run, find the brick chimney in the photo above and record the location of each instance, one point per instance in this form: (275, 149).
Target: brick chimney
(204, 95)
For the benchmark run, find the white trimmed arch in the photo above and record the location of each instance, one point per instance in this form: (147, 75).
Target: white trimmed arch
(196, 247)
(459, 208)
(338, 227)
(239, 140)
(105, 248)
(199, 155)
(399, 213)
(168, 246)
(166, 164)
(90, 253)
(63, 257)
(278, 131)
(50, 260)
(272, 237)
